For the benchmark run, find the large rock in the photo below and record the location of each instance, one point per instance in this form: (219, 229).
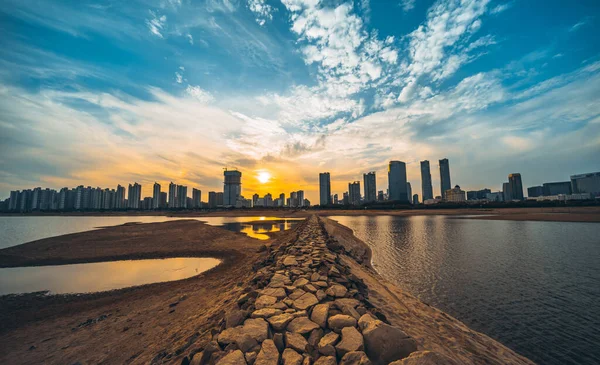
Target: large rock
(305, 301)
(299, 283)
(296, 341)
(355, 358)
(319, 314)
(266, 313)
(265, 301)
(352, 340)
(291, 357)
(256, 328)
(337, 291)
(385, 343)
(365, 320)
(290, 261)
(301, 325)
(234, 318)
(425, 358)
(278, 293)
(280, 322)
(233, 358)
(340, 321)
(326, 360)
(268, 354)
(297, 293)
(246, 343)
(327, 343)
(279, 281)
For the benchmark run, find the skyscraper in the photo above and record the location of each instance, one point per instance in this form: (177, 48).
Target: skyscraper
(172, 195)
(119, 197)
(506, 192)
(182, 196)
(516, 186)
(397, 181)
(156, 196)
(324, 188)
(300, 197)
(212, 199)
(196, 198)
(426, 187)
(408, 192)
(232, 187)
(354, 193)
(134, 194)
(370, 187)
(445, 177)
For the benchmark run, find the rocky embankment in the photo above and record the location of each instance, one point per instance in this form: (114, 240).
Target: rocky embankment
(305, 306)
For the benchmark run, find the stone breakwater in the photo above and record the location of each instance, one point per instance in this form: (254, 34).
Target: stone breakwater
(304, 307)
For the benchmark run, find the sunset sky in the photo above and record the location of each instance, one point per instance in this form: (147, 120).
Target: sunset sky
(106, 92)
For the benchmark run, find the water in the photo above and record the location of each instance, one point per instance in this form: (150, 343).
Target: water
(100, 276)
(534, 286)
(17, 230)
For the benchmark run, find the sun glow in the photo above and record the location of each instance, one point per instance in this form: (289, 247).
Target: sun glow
(263, 177)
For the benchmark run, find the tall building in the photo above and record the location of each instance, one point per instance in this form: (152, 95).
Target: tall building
(345, 198)
(282, 199)
(354, 193)
(156, 196)
(335, 199)
(232, 187)
(182, 196)
(380, 196)
(255, 199)
(397, 181)
(557, 188)
(134, 195)
(408, 192)
(268, 200)
(455, 195)
(586, 183)
(196, 198)
(172, 195)
(426, 187)
(445, 177)
(212, 199)
(516, 186)
(300, 197)
(163, 200)
(219, 198)
(415, 199)
(535, 191)
(324, 188)
(120, 197)
(36, 198)
(370, 187)
(506, 192)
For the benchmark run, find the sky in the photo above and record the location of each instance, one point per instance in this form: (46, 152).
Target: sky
(110, 92)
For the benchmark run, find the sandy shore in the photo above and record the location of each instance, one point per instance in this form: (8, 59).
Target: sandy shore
(167, 321)
(555, 214)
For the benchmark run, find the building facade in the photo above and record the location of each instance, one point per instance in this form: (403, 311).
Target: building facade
(354, 193)
(445, 183)
(426, 187)
(232, 187)
(516, 186)
(324, 188)
(535, 191)
(586, 183)
(455, 195)
(196, 198)
(557, 188)
(370, 188)
(397, 181)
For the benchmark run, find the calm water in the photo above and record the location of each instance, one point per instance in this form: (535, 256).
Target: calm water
(101, 276)
(535, 286)
(17, 230)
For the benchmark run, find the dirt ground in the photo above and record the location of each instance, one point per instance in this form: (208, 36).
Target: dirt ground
(131, 325)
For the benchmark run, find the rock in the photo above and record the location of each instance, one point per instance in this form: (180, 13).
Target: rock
(278, 340)
(327, 343)
(321, 284)
(350, 302)
(280, 322)
(296, 294)
(326, 360)
(301, 325)
(355, 358)
(256, 328)
(320, 294)
(265, 301)
(352, 340)
(351, 312)
(310, 288)
(314, 277)
(246, 343)
(319, 314)
(305, 301)
(385, 343)
(266, 313)
(307, 360)
(233, 358)
(279, 305)
(296, 341)
(300, 282)
(336, 290)
(425, 358)
(279, 281)
(278, 293)
(314, 337)
(291, 357)
(250, 357)
(235, 318)
(334, 271)
(290, 261)
(268, 354)
(339, 321)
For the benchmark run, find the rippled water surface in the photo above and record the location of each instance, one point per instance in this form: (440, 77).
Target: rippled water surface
(534, 286)
(100, 276)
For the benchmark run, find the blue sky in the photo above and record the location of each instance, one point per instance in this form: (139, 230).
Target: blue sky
(107, 92)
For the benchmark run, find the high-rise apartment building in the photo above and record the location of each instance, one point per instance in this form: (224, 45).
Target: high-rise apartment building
(408, 192)
(426, 187)
(232, 189)
(120, 197)
(516, 186)
(182, 197)
(324, 188)
(506, 192)
(370, 187)
(445, 184)
(300, 197)
(586, 183)
(156, 196)
(212, 199)
(196, 198)
(354, 193)
(134, 196)
(415, 199)
(172, 196)
(397, 181)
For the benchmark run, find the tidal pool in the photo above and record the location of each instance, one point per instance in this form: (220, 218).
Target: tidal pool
(100, 276)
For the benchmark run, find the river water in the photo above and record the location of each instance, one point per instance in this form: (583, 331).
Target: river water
(534, 286)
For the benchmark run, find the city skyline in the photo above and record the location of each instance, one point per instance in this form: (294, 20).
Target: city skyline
(183, 89)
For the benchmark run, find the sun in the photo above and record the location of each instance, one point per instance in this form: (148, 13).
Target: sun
(263, 177)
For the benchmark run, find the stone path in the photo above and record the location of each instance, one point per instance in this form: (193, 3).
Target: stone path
(305, 307)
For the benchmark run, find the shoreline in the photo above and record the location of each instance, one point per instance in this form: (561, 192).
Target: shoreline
(175, 318)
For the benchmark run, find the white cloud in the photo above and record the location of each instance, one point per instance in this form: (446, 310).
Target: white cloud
(156, 24)
(407, 5)
(178, 78)
(262, 10)
(202, 96)
(501, 8)
(190, 38)
(579, 24)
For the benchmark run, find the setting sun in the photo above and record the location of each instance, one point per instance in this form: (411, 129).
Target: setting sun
(263, 177)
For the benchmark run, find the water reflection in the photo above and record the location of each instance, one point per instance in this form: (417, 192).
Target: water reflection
(259, 230)
(532, 285)
(100, 276)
